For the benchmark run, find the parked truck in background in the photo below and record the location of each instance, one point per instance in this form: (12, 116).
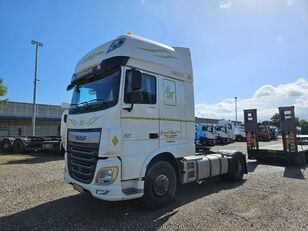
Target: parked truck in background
(264, 133)
(239, 133)
(230, 129)
(206, 134)
(222, 135)
(274, 132)
(131, 124)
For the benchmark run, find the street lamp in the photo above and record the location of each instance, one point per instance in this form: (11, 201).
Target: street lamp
(37, 45)
(235, 102)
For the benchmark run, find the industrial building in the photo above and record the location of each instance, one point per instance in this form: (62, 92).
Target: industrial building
(16, 119)
(212, 121)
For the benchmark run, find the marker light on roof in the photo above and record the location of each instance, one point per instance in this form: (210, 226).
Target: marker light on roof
(116, 44)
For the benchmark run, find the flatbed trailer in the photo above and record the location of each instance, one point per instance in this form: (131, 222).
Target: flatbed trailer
(293, 149)
(30, 143)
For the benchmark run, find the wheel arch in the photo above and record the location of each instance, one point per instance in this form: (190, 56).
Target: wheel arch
(164, 156)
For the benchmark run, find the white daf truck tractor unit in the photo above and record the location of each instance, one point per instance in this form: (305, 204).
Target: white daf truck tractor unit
(131, 124)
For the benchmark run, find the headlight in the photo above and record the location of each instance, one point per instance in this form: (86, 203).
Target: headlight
(107, 175)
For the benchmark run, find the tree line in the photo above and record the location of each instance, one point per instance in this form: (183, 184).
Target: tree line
(275, 121)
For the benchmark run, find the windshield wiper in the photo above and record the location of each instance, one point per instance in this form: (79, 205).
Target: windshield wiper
(98, 100)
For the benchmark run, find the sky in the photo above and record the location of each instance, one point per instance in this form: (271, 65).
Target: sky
(256, 50)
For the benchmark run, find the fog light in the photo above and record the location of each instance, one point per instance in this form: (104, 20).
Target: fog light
(102, 192)
(107, 175)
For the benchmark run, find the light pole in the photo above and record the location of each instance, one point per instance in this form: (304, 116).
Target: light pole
(235, 102)
(37, 45)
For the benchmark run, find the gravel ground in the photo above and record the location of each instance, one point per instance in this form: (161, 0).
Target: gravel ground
(33, 196)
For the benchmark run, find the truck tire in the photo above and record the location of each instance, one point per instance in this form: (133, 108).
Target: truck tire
(236, 168)
(18, 146)
(159, 185)
(6, 146)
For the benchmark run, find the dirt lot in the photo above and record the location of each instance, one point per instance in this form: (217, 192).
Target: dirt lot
(34, 196)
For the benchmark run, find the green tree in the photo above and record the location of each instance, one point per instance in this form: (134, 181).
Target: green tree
(275, 121)
(303, 122)
(3, 92)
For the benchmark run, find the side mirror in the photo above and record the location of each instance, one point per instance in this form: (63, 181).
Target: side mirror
(135, 97)
(136, 80)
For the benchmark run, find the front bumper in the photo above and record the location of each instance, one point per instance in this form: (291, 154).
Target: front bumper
(112, 192)
(116, 191)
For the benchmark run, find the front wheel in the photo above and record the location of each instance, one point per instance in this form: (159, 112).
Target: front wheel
(159, 185)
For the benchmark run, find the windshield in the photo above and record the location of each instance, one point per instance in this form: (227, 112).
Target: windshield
(96, 93)
(210, 128)
(263, 129)
(221, 128)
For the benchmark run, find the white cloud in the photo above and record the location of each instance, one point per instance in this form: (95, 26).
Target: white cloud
(266, 99)
(225, 5)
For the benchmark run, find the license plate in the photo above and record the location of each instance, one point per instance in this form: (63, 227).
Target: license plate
(78, 188)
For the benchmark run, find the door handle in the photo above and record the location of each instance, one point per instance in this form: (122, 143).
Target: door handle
(153, 135)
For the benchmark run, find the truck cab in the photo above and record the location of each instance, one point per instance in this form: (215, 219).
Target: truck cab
(222, 134)
(132, 100)
(131, 124)
(239, 133)
(230, 129)
(206, 134)
(264, 133)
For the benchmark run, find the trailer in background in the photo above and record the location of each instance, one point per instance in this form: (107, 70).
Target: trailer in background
(30, 143)
(20, 144)
(293, 148)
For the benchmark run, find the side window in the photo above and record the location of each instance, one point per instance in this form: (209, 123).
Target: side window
(147, 93)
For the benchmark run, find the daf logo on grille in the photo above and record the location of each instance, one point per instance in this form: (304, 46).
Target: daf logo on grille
(80, 138)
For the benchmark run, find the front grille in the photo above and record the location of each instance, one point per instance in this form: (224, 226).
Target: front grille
(82, 159)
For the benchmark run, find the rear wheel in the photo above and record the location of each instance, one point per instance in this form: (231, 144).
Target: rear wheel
(18, 146)
(6, 145)
(236, 168)
(159, 185)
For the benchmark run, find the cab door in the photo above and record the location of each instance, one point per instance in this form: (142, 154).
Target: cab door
(172, 123)
(139, 122)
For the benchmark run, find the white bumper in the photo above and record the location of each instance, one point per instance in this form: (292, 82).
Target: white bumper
(112, 192)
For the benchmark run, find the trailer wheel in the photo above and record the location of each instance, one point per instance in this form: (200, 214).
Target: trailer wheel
(159, 185)
(236, 168)
(18, 146)
(6, 145)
